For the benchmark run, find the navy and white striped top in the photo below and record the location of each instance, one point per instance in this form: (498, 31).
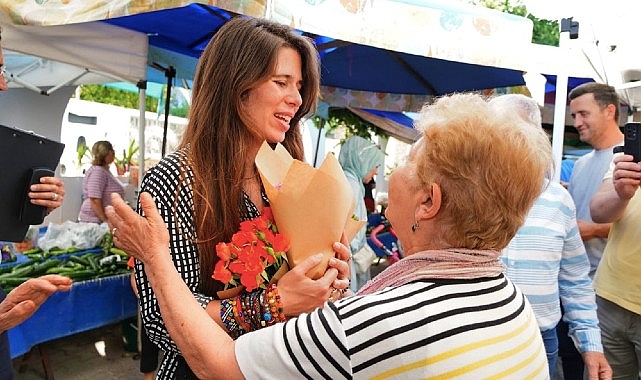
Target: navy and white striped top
(468, 329)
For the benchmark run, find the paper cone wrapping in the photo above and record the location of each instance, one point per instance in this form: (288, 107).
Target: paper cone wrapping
(312, 207)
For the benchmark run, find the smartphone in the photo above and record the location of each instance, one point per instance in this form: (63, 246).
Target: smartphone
(632, 140)
(30, 213)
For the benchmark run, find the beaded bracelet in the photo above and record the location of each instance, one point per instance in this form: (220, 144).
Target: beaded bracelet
(273, 307)
(249, 316)
(227, 315)
(240, 314)
(252, 311)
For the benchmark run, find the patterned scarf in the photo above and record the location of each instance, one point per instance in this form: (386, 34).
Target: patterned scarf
(453, 263)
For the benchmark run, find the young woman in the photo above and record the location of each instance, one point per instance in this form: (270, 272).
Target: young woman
(255, 81)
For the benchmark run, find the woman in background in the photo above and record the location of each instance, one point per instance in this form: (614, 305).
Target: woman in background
(98, 184)
(360, 158)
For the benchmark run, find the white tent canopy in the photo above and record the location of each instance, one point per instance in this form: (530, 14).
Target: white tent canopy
(45, 59)
(607, 39)
(73, 54)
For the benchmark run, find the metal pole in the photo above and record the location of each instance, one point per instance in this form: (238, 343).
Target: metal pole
(142, 96)
(170, 73)
(569, 29)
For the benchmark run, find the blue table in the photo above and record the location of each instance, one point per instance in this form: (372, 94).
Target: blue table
(20, 258)
(88, 305)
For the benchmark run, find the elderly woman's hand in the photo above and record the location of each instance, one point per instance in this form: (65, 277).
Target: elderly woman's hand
(25, 299)
(49, 193)
(141, 237)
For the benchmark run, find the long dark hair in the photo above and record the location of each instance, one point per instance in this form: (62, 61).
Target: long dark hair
(242, 53)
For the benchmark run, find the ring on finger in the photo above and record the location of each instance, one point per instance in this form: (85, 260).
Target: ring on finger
(113, 231)
(54, 197)
(335, 294)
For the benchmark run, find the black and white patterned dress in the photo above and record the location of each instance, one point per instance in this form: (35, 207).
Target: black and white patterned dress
(170, 182)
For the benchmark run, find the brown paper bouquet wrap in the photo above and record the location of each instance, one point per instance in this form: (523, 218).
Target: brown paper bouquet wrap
(312, 207)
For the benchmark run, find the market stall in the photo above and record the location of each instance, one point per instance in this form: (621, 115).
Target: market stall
(89, 304)
(100, 295)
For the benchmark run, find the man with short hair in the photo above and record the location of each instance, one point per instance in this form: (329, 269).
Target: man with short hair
(595, 110)
(616, 281)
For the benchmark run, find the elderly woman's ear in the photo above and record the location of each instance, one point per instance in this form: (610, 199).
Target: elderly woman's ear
(430, 202)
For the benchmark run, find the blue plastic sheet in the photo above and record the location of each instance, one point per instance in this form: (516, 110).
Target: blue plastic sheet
(88, 305)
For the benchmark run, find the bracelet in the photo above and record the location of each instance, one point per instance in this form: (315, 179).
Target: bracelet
(252, 311)
(273, 307)
(229, 320)
(240, 315)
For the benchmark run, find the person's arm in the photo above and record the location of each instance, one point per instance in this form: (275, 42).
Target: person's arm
(190, 326)
(591, 230)
(609, 202)
(98, 209)
(50, 193)
(597, 365)
(25, 299)
(578, 298)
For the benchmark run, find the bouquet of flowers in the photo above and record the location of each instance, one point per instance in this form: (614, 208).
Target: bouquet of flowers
(303, 198)
(254, 256)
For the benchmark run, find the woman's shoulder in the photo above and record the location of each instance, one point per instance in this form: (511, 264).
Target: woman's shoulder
(172, 166)
(95, 171)
(171, 173)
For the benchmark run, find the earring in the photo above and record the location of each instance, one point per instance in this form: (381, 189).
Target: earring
(414, 226)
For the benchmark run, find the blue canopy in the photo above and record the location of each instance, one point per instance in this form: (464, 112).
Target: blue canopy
(397, 117)
(178, 37)
(550, 84)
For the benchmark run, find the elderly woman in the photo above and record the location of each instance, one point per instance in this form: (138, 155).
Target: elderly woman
(444, 310)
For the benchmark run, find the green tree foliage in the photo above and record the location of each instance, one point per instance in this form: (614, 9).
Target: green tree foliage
(345, 122)
(178, 106)
(109, 95)
(545, 32)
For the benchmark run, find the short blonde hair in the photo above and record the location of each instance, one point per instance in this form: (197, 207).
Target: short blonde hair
(490, 169)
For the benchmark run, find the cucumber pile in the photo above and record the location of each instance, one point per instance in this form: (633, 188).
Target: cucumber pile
(71, 263)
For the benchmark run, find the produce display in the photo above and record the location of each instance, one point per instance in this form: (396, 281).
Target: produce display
(6, 252)
(79, 265)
